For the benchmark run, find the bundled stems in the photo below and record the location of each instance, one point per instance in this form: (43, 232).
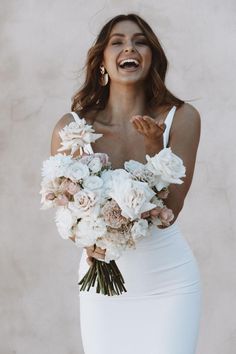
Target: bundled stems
(108, 276)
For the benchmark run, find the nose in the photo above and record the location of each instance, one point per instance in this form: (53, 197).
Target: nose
(129, 47)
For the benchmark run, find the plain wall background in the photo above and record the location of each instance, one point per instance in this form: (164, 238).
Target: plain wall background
(43, 47)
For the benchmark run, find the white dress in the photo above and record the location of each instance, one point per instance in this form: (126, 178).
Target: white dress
(161, 310)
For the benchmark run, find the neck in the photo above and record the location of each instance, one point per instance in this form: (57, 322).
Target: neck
(125, 101)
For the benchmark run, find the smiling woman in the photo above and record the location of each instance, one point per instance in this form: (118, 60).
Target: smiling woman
(111, 40)
(125, 98)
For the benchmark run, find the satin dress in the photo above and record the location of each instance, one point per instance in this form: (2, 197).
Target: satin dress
(160, 312)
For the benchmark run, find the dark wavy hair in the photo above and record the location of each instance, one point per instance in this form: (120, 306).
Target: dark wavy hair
(93, 96)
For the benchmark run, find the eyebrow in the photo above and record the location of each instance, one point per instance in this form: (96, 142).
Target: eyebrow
(123, 35)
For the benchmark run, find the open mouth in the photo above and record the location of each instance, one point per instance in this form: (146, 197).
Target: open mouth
(129, 64)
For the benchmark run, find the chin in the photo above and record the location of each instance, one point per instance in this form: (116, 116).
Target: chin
(129, 80)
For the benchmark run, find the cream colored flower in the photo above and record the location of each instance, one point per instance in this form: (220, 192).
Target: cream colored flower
(133, 197)
(167, 167)
(77, 134)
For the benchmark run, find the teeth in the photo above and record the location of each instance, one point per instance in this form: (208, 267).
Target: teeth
(129, 61)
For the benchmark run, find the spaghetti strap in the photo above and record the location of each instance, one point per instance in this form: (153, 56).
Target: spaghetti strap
(87, 148)
(168, 122)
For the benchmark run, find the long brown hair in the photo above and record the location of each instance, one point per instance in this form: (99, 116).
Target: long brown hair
(93, 96)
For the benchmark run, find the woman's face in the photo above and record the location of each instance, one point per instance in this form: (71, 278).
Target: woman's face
(127, 42)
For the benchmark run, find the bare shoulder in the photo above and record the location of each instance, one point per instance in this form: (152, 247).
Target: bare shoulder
(187, 115)
(56, 140)
(63, 121)
(185, 130)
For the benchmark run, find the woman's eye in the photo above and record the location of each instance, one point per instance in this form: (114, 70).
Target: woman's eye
(138, 42)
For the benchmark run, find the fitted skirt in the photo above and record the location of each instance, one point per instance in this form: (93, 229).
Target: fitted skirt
(161, 310)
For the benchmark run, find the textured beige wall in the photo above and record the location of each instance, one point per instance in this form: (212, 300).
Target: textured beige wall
(43, 46)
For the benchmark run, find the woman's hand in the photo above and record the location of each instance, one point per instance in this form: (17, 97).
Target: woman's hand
(94, 252)
(147, 126)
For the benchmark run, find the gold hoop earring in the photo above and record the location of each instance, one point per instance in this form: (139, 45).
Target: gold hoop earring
(104, 76)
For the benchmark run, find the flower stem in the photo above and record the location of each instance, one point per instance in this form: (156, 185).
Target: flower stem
(108, 276)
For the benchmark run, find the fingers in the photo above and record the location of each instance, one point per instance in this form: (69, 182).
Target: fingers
(89, 261)
(136, 120)
(95, 252)
(147, 125)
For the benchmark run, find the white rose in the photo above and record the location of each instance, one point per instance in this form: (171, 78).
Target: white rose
(64, 222)
(85, 203)
(93, 182)
(167, 167)
(95, 165)
(140, 229)
(133, 197)
(77, 171)
(88, 230)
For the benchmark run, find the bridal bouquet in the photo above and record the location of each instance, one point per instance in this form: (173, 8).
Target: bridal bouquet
(112, 209)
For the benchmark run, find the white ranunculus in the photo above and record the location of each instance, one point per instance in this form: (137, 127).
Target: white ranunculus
(88, 230)
(140, 229)
(64, 222)
(56, 166)
(93, 182)
(133, 197)
(167, 167)
(77, 134)
(77, 171)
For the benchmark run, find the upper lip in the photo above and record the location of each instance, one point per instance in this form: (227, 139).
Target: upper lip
(129, 58)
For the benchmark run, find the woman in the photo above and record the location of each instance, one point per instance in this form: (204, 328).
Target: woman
(125, 98)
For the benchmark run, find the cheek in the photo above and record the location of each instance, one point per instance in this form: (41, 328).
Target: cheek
(147, 54)
(110, 57)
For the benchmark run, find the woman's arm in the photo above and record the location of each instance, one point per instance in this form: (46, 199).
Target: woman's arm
(184, 141)
(56, 140)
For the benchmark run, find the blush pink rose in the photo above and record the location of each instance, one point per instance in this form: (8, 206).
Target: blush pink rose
(50, 196)
(166, 216)
(156, 211)
(72, 188)
(62, 200)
